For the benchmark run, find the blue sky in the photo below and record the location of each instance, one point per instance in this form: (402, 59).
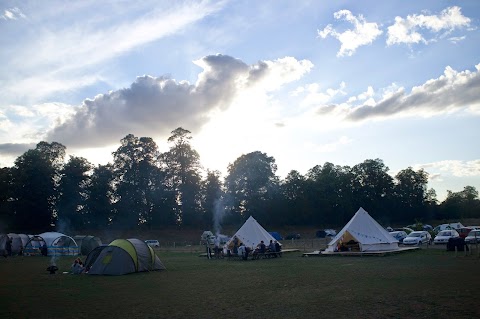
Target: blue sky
(306, 82)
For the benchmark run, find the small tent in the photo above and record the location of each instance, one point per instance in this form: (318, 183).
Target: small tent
(123, 256)
(87, 243)
(365, 233)
(251, 234)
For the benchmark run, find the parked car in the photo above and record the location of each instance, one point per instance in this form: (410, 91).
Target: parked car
(418, 238)
(441, 227)
(152, 243)
(405, 229)
(293, 236)
(464, 231)
(399, 235)
(444, 235)
(473, 237)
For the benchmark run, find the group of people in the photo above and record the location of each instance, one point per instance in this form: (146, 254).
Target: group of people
(272, 250)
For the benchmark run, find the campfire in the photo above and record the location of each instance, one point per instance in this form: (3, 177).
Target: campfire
(52, 269)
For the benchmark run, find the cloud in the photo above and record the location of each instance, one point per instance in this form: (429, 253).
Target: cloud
(363, 33)
(15, 148)
(153, 106)
(13, 14)
(456, 168)
(67, 55)
(407, 30)
(455, 40)
(450, 92)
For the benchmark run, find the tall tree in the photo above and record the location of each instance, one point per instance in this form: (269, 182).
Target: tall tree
(135, 167)
(330, 189)
(6, 197)
(36, 177)
(71, 205)
(294, 208)
(100, 197)
(411, 195)
(182, 165)
(251, 183)
(463, 204)
(372, 186)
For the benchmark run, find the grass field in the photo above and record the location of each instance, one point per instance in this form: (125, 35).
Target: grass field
(429, 283)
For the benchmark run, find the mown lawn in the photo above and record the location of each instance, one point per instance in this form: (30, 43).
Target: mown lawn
(429, 283)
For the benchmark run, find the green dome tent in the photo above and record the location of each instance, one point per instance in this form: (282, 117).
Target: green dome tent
(87, 243)
(123, 256)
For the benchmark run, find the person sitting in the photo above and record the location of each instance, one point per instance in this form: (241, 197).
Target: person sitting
(271, 249)
(278, 249)
(262, 247)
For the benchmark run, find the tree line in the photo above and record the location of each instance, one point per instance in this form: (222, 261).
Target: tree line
(144, 188)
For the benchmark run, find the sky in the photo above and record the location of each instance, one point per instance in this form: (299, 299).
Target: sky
(306, 82)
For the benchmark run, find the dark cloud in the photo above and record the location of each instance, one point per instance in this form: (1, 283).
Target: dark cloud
(154, 106)
(453, 90)
(14, 149)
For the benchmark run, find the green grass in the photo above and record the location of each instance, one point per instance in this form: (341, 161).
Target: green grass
(429, 283)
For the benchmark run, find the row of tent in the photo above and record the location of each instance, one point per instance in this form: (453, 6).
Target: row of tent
(362, 229)
(48, 244)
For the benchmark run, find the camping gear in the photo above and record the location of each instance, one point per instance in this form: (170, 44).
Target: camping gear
(251, 234)
(363, 233)
(87, 243)
(122, 256)
(52, 269)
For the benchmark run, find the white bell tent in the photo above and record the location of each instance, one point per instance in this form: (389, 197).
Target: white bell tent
(365, 231)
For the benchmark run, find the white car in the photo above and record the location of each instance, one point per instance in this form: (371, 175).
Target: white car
(417, 238)
(443, 236)
(399, 235)
(473, 237)
(152, 243)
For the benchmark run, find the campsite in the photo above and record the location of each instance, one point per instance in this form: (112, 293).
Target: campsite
(362, 272)
(406, 285)
(129, 279)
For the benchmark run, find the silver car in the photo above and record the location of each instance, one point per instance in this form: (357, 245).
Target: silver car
(418, 238)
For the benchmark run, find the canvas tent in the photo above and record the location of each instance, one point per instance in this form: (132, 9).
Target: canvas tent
(365, 231)
(123, 256)
(57, 244)
(251, 234)
(87, 243)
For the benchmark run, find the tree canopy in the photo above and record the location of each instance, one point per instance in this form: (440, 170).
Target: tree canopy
(143, 187)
